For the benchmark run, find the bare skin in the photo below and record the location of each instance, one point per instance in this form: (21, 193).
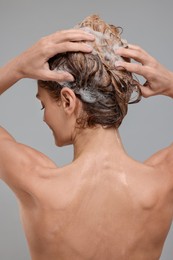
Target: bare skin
(104, 205)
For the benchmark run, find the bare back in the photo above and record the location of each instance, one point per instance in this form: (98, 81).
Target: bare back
(97, 211)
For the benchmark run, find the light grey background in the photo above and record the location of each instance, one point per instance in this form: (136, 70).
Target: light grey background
(148, 126)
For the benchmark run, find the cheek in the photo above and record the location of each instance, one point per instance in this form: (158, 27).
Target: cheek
(50, 118)
(47, 117)
(44, 116)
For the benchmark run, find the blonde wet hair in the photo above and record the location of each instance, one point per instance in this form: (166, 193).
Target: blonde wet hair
(104, 91)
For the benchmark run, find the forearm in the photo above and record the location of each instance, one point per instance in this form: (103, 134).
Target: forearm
(170, 85)
(9, 75)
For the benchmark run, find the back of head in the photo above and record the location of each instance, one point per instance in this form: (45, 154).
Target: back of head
(103, 90)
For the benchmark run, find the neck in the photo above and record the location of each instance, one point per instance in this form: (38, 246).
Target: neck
(97, 141)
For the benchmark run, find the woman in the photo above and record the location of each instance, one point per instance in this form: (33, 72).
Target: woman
(104, 205)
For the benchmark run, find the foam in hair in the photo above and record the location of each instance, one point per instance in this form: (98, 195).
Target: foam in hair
(101, 48)
(87, 94)
(106, 52)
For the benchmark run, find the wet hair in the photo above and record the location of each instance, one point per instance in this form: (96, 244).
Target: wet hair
(104, 91)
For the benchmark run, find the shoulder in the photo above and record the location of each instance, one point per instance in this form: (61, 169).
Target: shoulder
(162, 159)
(19, 163)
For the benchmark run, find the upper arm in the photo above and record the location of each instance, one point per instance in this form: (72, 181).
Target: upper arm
(163, 158)
(19, 163)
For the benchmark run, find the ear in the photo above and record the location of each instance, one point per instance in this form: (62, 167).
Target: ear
(68, 100)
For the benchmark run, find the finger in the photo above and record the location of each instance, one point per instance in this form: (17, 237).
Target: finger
(133, 47)
(72, 35)
(136, 47)
(146, 91)
(135, 53)
(58, 76)
(68, 47)
(133, 67)
(146, 84)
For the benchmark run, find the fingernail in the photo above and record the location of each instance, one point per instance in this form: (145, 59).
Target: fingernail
(119, 49)
(70, 78)
(118, 63)
(92, 37)
(90, 48)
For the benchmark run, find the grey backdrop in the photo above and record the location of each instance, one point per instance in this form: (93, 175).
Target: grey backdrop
(148, 126)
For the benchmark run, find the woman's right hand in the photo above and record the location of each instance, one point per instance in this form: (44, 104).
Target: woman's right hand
(159, 80)
(33, 63)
